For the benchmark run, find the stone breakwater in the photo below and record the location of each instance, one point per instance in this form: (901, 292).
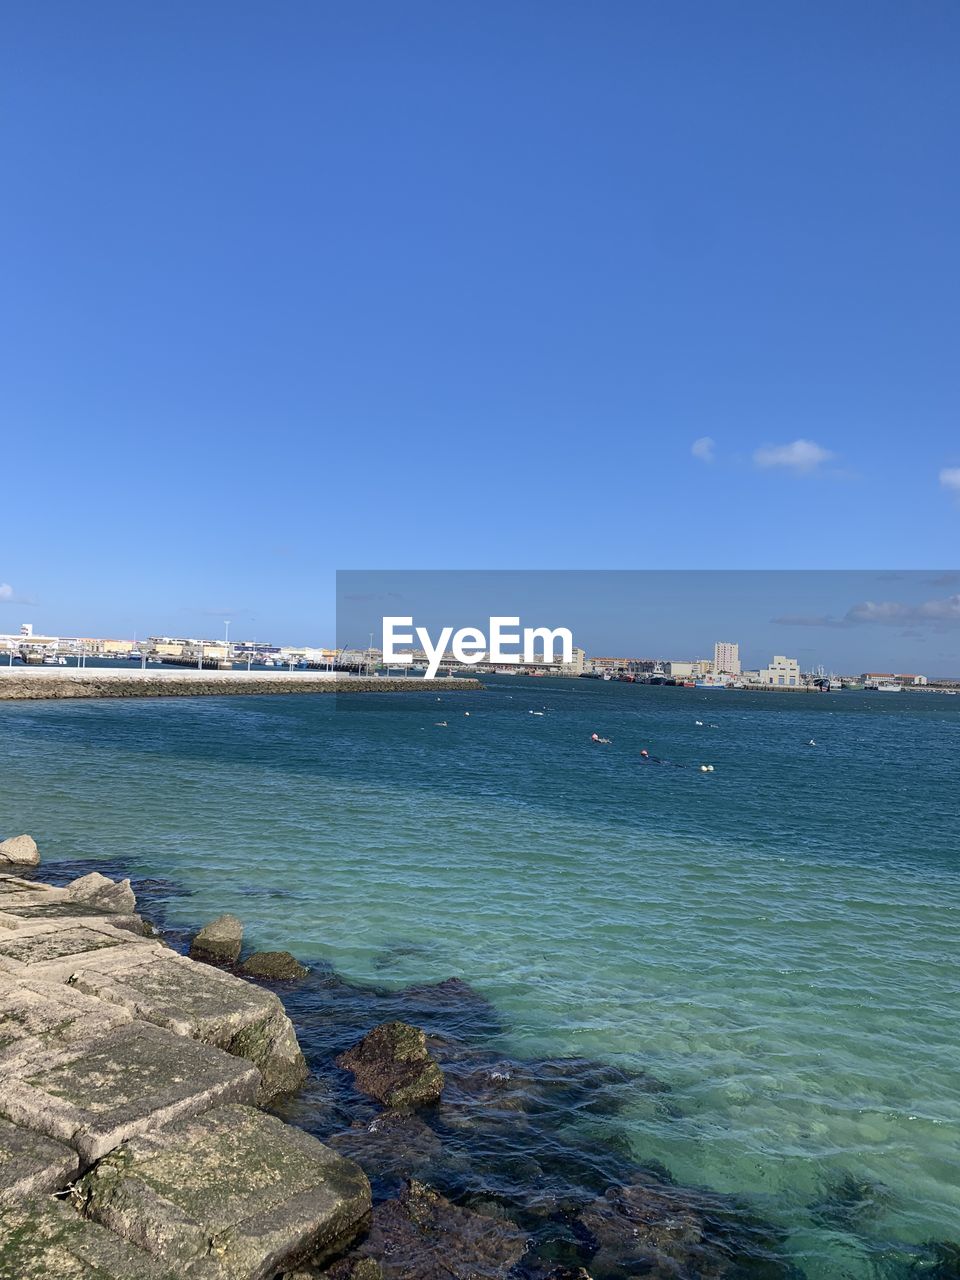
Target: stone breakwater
(96, 682)
(132, 1081)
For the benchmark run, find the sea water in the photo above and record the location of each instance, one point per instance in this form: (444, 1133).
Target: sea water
(775, 939)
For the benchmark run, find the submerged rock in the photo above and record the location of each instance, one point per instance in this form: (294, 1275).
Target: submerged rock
(422, 1236)
(219, 941)
(20, 851)
(392, 1065)
(654, 1228)
(278, 966)
(356, 1269)
(97, 890)
(395, 1145)
(849, 1203)
(486, 1088)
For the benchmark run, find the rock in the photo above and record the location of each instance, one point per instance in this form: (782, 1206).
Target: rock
(392, 1065)
(100, 891)
(219, 941)
(394, 1145)
(422, 1236)
(45, 1239)
(356, 1269)
(649, 1227)
(258, 1195)
(97, 1093)
(210, 1006)
(279, 966)
(30, 1165)
(20, 851)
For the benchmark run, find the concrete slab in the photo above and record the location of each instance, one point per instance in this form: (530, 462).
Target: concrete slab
(30, 1165)
(36, 1016)
(99, 1092)
(234, 1185)
(208, 1005)
(54, 949)
(45, 1239)
(64, 909)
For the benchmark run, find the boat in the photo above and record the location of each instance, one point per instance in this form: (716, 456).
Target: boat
(52, 660)
(835, 685)
(887, 686)
(711, 682)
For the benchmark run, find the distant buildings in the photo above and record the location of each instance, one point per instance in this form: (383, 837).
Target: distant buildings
(781, 671)
(726, 659)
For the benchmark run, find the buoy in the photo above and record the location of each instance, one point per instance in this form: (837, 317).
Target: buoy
(704, 768)
(466, 713)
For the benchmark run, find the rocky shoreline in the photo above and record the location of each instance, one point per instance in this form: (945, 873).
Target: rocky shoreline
(163, 1117)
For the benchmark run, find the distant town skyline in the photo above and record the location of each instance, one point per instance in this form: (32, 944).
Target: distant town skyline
(854, 620)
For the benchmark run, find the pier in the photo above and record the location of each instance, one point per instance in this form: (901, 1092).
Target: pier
(99, 682)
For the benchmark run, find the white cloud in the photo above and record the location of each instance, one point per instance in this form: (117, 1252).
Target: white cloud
(703, 448)
(934, 613)
(801, 456)
(950, 479)
(6, 591)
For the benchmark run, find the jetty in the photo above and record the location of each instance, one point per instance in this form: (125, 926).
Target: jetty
(132, 1141)
(101, 682)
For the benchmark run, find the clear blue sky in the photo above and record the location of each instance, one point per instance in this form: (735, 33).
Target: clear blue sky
(290, 288)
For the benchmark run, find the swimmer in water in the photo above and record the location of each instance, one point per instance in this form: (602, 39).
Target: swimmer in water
(595, 737)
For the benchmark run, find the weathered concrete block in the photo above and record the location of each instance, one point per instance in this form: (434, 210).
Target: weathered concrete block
(44, 1239)
(97, 1093)
(15, 892)
(233, 1185)
(100, 891)
(219, 941)
(30, 1165)
(207, 1005)
(36, 1016)
(20, 851)
(53, 949)
(15, 914)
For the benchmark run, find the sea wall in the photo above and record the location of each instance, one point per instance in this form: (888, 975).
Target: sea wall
(21, 683)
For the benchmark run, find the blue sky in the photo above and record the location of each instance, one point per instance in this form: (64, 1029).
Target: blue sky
(303, 287)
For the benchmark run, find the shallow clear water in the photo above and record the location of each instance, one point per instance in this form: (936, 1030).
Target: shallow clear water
(776, 939)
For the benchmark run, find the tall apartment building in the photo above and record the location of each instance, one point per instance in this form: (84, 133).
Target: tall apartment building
(726, 659)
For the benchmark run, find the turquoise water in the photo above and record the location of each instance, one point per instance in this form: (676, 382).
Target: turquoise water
(776, 939)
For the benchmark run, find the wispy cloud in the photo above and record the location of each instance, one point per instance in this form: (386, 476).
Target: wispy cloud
(950, 479)
(888, 613)
(9, 596)
(704, 449)
(799, 456)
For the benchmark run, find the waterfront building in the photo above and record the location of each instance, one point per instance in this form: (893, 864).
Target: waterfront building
(726, 658)
(782, 671)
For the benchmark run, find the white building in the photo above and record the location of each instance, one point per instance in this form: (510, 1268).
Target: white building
(726, 658)
(781, 671)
